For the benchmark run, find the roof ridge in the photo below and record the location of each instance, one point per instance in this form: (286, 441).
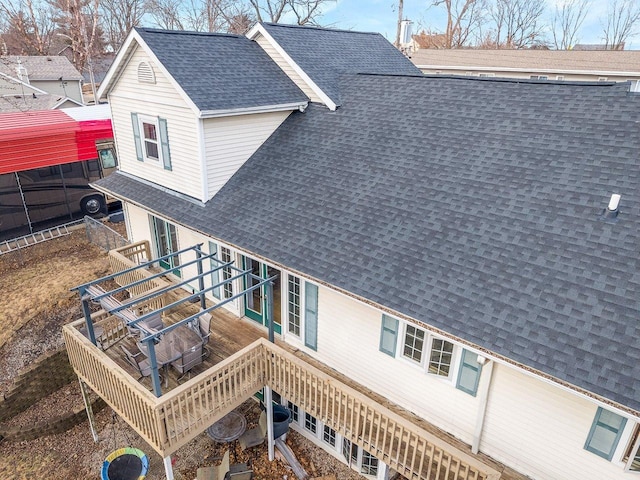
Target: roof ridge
(315, 27)
(187, 32)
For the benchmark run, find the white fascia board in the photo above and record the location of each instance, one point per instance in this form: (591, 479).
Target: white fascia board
(559, 71)
(249, 110)
(66, 99)
(127, 52)
(259, 28)
(18, 81)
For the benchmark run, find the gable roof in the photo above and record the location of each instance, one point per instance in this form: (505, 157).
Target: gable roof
(324, 54)
(608, 61)
(216, 71)
(33, 102)
(49, 67)
(472, 205)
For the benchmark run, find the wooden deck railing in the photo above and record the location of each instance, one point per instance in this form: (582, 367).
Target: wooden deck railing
(129, 256)
(172, 420)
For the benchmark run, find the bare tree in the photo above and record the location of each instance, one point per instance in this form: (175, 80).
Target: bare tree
(305, 11)
(29, 26)
(517, 23)
(464, 19)
(622, 22)
(567, 21)
(166, 14)
(78, 23)
(118, 17)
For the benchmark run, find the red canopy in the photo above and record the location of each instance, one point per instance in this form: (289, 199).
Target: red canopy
(45, 138)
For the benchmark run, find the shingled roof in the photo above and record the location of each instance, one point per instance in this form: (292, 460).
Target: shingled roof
(221, 71)
(324, 54)
(49, 67)
(473, 205)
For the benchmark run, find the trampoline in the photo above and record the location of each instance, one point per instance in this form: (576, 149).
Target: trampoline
(125, 464)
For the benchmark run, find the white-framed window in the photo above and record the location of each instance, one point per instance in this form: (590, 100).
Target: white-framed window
(295, 411)
(227, 288)
(165, 238)
(329, 435)
(486, 75)
(559, 77)
(151, 139)
(310, 423)
(215, 263)
(368, 464)
(413, 344)
(410, 342)
(293, 306)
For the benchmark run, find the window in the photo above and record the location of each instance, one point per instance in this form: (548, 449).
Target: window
(632, 454)
(214, 263)
(388, 335)
(166, 241)
(413, 343)
(441, 355)
(294, 306)
(369, 464)
(486, 75)
(559, 77)
(310, 423)
(329, 435)
(295, 413)
(605, 433)
(227, 288)
(469, 374)
(151, 139)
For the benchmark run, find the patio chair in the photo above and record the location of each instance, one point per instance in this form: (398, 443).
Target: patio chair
(187, 361)
(138, 361)
(215, 473)
(240, 471)
(204, 327)
(254, 436)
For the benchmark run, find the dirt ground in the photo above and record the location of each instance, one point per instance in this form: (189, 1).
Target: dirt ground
(36, 302)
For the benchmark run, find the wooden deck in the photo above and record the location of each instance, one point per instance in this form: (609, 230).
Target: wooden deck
(241, 362)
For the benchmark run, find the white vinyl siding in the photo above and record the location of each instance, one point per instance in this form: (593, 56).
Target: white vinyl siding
(286, 68)
(157, 100)
(540, 430)
(230, 141)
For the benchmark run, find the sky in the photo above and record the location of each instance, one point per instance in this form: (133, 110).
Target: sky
(381, 16)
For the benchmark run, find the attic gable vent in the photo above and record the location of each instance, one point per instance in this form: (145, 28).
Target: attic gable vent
(146, 73)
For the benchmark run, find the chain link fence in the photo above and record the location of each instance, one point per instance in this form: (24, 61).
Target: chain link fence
(105, 237)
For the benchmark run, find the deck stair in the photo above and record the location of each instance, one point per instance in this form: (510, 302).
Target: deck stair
(24, 241)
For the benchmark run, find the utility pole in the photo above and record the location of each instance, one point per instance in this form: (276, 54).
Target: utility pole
(400, 7)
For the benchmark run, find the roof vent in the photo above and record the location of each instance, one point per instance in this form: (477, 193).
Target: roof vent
(612, 209)
(146, 73)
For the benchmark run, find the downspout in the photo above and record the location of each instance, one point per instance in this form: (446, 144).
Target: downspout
(483, 398)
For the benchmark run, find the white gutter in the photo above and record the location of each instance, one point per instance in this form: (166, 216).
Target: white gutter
(228, 112)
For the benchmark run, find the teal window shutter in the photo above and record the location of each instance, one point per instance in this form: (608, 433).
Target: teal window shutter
(215, 276)
(136, 136)
(389, 335)
(311, 315)
(605, 433)
(469, 374)
(164, 142)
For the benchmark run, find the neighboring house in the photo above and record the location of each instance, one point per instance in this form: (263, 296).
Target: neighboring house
(444, 242)
(52, 80)
(570, 65)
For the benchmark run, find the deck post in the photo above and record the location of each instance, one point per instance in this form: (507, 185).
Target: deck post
(268, 401)
(269, 286)
(203, 303)
(87, 407)
(168, 468)
(153, 363)
(86, 310)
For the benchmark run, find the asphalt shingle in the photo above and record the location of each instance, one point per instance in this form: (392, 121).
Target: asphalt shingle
(473, 205)
(324, 54)
(221, 71)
